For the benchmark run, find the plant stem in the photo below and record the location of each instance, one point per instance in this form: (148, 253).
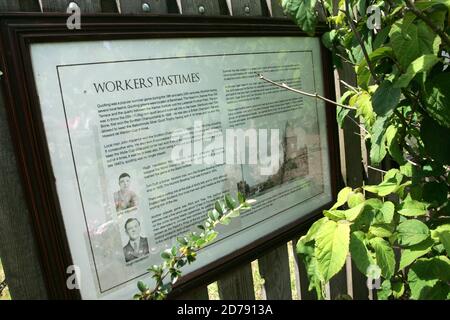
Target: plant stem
(313, 95)
(419, 14)
(361, 43)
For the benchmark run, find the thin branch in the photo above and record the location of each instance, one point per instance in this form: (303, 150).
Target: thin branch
(349, 86)
(361, 43)
(313, 95)
(376, 169)
(419, 14)
(345, 59)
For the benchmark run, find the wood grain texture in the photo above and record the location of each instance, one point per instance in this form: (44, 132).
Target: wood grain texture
(109, 6)
(277, 9)
(18, 249)
(86, 6)
(22, 5)
(352, 171)
(301, 277)
(200, 293)
(338, 284)
(210, 8)
(136, 6)
(274, 269)
(237, 284)
(249, 8)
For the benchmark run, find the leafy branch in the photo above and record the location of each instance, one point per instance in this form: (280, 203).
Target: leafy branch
(185, 250)
(312, 95)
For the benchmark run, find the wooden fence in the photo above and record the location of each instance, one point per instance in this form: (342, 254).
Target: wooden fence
(17, 248)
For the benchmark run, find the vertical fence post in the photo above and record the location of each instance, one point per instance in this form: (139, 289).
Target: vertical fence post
(18, 251)
(274, 269)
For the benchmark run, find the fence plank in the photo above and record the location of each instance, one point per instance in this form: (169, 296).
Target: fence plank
(109, 6)
(200, 293)
(200, 7)
(143, 6)
(338, 284)
(352, 171)
(274, 269)
(22, 5)
(86, 6)
(18, 249)
(249, 8)
(301, 277)
(237, 284)
(277, 9)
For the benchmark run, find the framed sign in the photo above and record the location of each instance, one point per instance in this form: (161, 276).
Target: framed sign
(128, 130)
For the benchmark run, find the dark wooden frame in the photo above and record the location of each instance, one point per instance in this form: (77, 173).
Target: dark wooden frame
(19, 31)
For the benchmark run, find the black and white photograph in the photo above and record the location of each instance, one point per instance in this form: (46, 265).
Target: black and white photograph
(137, 245)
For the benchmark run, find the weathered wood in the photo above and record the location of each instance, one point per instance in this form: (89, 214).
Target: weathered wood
(143, 6)
(352, 170)
(86, 6)
(200, 293)
(200, 7)
(277, 9)
(274, 269)
(109, 6)
(237, 284)
(18, 249)
(301, 277)
(338, 284)
(249, 8)
(22, 5)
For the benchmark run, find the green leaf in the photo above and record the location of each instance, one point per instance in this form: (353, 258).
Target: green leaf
(166, 254)
(422, 64)
(378, 140)
(393, 144)
(218, 207)
(213, 215)
(303, 12)
(390, 184)
(241, 198)
(381, 230)
(142, 286)
(230, 202)
(385, 291)
(385, 256)
(354, 199)
(398, 289)
(437, 100)
(332, 247)
(443, 234)
(234, 213)
(328, 38)
(426, 277)
(335, 215)
(342, 197)
(411, 232)
(386, 98)
(362, 70)
(359, 252)
(353, 213)
(387, 210)
(410, 254)
(312, 232)
(413, 208)
(341, 113)
(410, 41)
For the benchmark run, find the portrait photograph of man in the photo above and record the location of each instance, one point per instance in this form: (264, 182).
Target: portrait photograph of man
(125, 198)
(137, 245)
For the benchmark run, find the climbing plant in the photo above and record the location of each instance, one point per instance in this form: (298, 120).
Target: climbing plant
(398, 50)
(185, 250)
